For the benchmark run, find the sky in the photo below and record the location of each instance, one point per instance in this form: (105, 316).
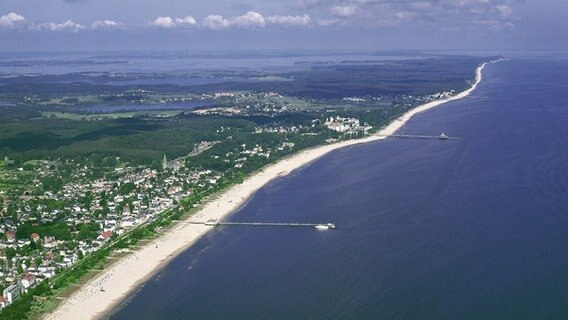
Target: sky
(357, 25)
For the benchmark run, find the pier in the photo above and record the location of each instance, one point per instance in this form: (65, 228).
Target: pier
(319, 226)
(411, 136)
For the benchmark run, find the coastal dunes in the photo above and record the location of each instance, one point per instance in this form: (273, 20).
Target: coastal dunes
(127, 274)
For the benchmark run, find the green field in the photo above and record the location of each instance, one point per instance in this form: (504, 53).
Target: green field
(105, 116)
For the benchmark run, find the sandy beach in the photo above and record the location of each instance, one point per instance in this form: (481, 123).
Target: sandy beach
(126, 275)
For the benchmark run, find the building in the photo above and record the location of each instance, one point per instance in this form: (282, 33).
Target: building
(346, 125)
(341, 124)
(11, 236)
(289, 145)
(12, 293)
(164, 163)
(35, 237)
(28, 281)
(105, 236)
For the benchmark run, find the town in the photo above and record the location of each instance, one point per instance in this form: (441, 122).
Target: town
(95, 166)
(56, 212)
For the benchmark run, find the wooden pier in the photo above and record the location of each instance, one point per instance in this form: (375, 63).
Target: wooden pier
(321, 226)
(411, 136)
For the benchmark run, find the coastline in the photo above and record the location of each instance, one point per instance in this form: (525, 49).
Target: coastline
(126, 275)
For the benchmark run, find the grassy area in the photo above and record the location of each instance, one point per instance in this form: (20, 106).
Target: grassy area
(71, 100)
(97, 99)
(14, 177)
(32, 162)
(107, 116)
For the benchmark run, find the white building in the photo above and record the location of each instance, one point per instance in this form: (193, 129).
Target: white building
(12, 293)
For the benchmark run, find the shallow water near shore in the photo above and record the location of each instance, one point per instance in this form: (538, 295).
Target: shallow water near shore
(426, 229)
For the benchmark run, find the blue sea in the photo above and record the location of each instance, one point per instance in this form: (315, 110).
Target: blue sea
(426, 229)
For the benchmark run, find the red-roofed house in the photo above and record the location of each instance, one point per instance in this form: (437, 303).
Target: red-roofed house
(28, 280)
(11, 235)
(105, 236)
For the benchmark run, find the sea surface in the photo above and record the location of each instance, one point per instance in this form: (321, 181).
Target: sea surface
(179, 63)
(426, 229)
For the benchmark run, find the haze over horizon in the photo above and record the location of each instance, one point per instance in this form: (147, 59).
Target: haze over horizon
(56, 25)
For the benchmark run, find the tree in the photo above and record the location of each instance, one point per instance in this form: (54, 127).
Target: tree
(88, 231)
(52, 183)
(10, 253)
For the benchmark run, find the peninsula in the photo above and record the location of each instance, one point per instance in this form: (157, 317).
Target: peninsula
(123, 277)
(101, 169)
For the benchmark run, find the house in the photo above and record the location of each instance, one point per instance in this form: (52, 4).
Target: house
(11, 236)
(12, 292)
(35, 237)
(288, 145)
(2, 302)
(50, 242)
(127, 223)
(28, 281)
(105, 236)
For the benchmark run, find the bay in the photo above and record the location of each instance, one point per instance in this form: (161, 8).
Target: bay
(426, 229)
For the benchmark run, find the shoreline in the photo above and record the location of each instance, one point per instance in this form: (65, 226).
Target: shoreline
(129, 273)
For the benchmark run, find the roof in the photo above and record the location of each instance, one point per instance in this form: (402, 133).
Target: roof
(107, 234)
(28, 277)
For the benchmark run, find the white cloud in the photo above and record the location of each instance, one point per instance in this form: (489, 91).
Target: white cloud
(65, 26)
(12, 20)
(250, 19)
(187, 21)
(253, 19)
(343, 10)
(443, 14)
(216, 22)
(170, 23)
(106, 25)
(164, 22)
(289, 20)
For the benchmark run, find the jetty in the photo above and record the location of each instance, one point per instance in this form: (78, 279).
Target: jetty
(443, 136)
(214, 223)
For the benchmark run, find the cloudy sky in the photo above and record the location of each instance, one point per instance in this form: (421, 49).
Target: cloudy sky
(283, 24)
